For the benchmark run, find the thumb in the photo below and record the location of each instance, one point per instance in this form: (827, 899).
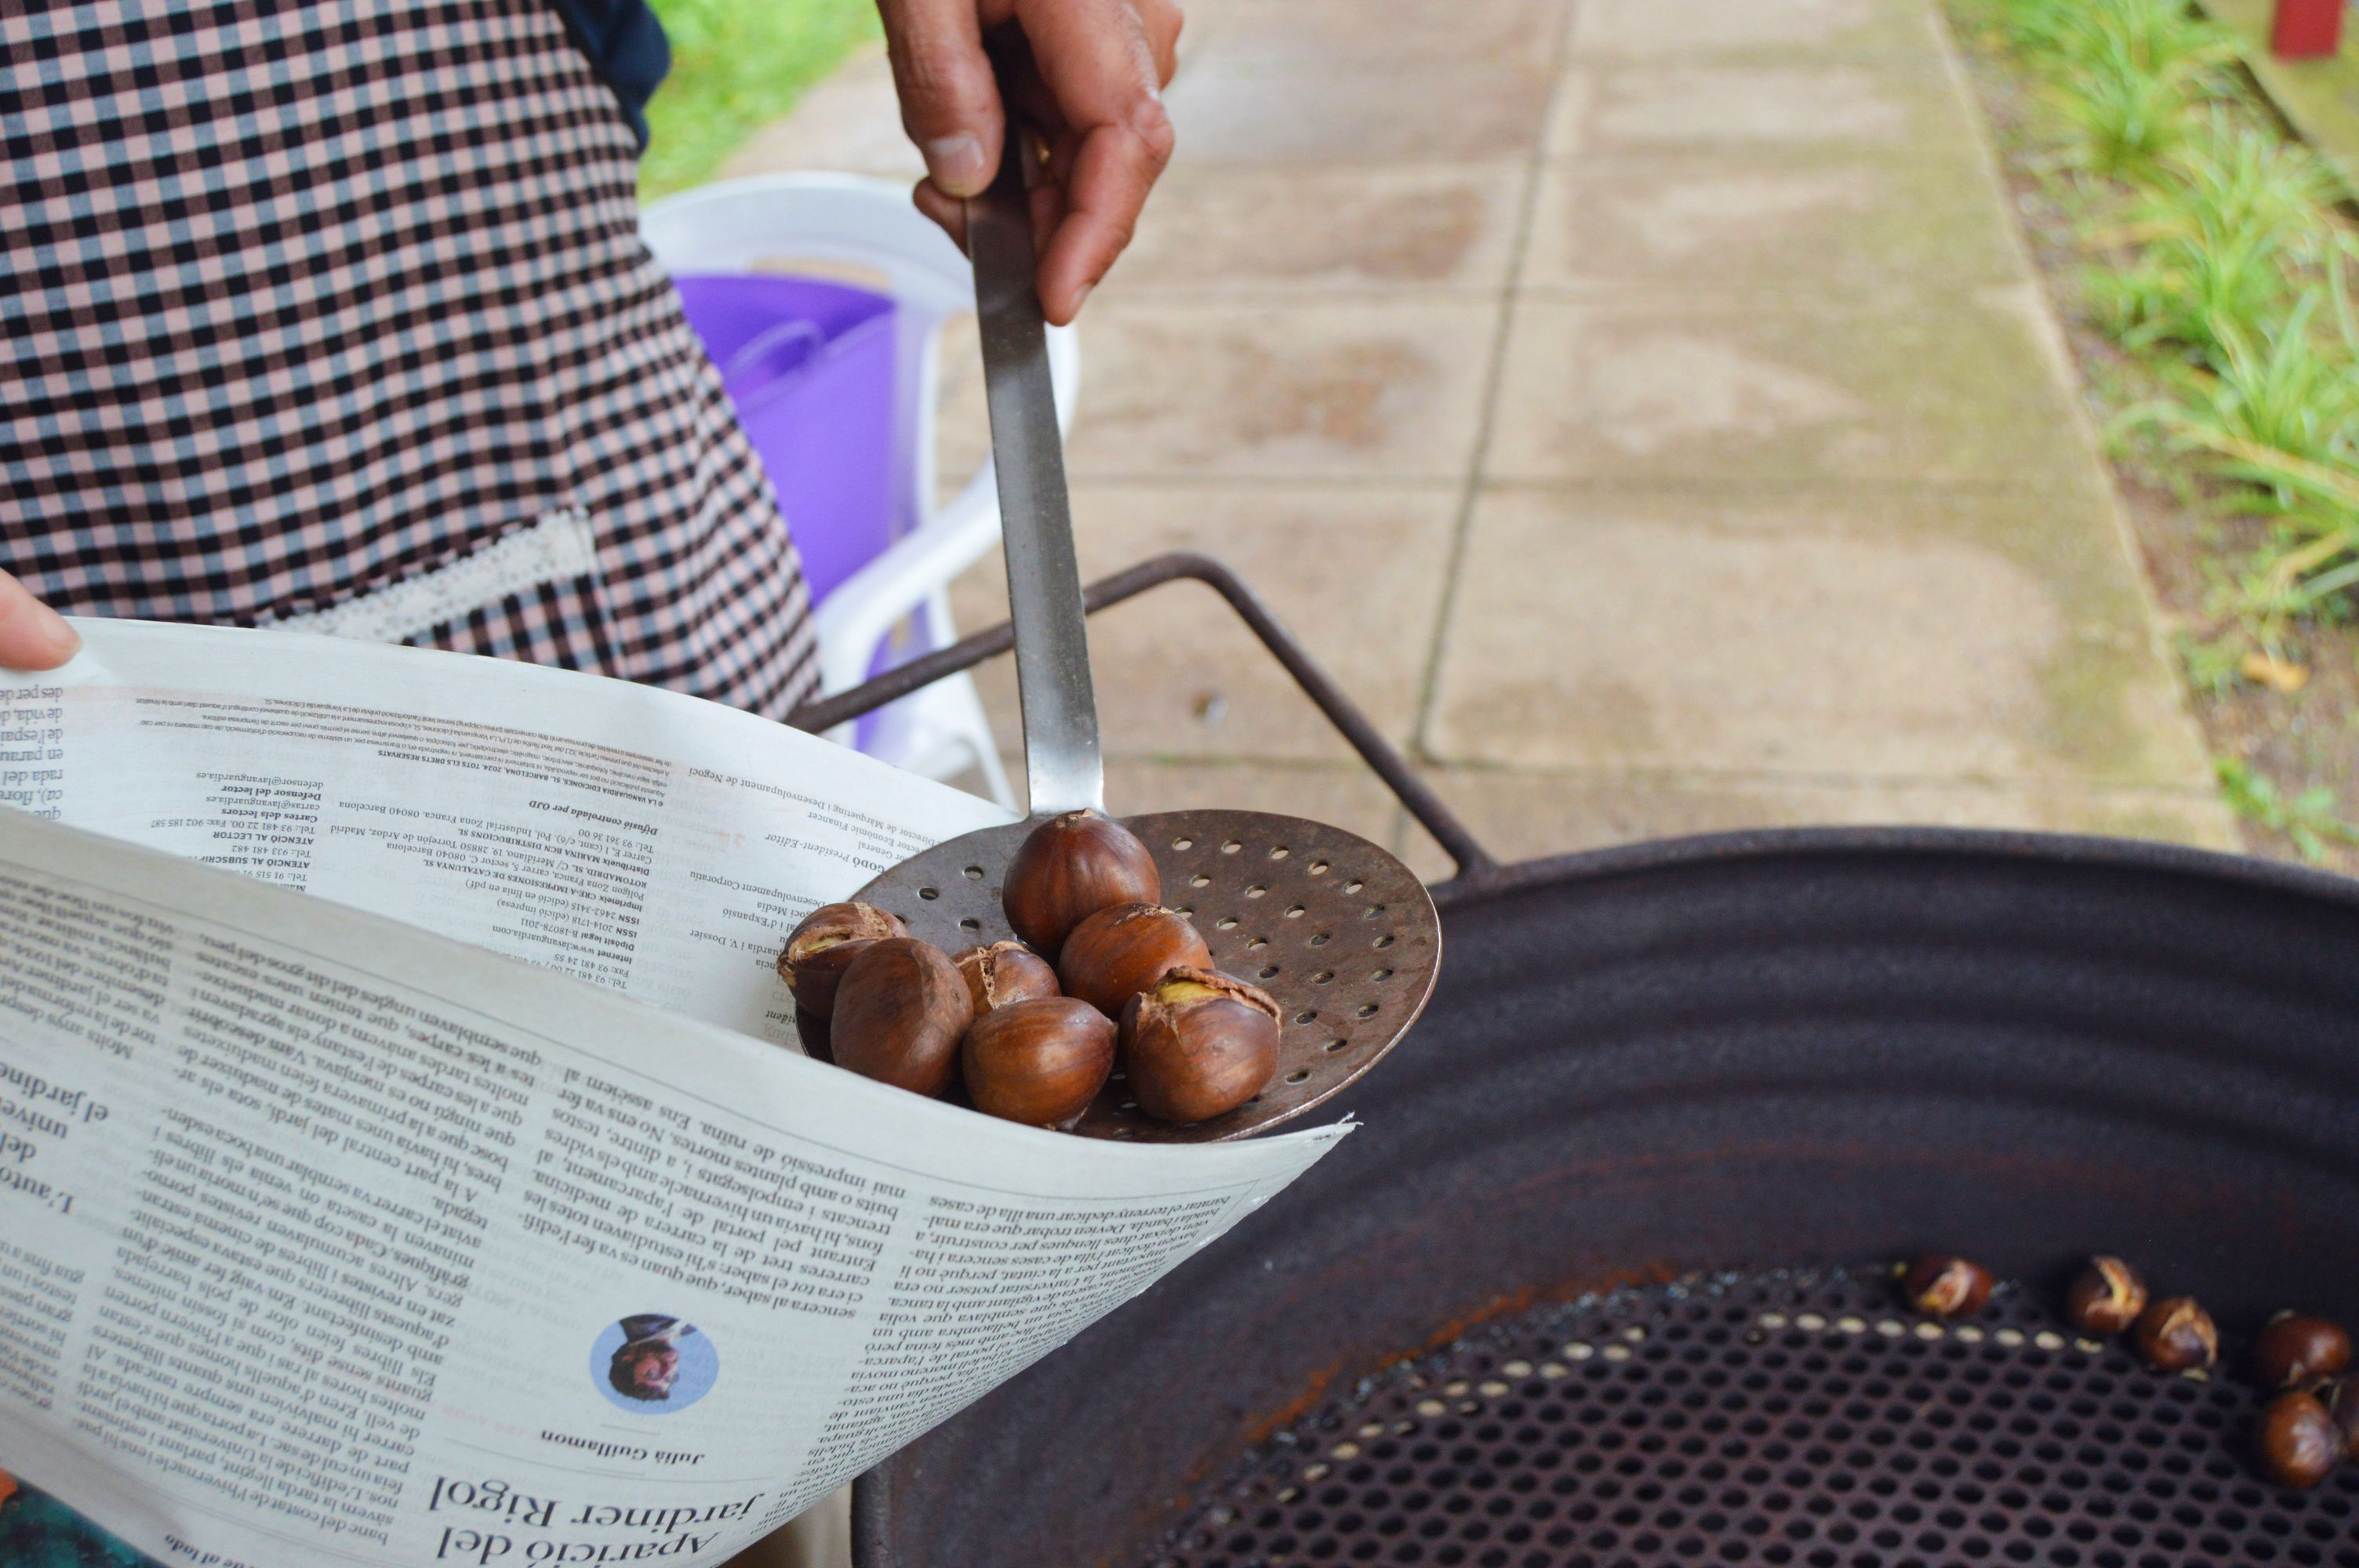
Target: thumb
(32, 635)
(949, 100)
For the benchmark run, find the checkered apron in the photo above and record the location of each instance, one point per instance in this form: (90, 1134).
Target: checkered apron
(333, 314)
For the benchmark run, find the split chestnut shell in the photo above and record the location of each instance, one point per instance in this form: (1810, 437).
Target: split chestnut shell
(1003, 973)
(1199, 1044)
(815, 956)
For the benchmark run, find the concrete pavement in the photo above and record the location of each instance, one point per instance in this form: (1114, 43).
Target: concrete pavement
(1648, 411)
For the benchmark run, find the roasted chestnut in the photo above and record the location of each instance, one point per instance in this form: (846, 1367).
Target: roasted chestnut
(900, 1011)
(2294, 1350)
(819, 949)
(1039, 1061)
(1198, 1044)
(2342, 1404)
(1942, 1286)
(2106, 1298)
(1067, 868)
(812, 1031)
(1004, 972)
(1117, 953)
(2296, 1444)
(2175, 1335)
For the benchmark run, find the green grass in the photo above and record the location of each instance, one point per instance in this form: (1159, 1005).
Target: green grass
(2308, 819)
(2221, 269)
(2134, 67)
(736, 65)
(2220, 265)
(2210, 239)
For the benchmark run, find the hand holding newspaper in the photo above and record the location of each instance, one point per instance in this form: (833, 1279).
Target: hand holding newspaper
(332, 1233)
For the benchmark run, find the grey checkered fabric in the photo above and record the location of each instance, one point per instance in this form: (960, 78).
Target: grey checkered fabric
(300, 303)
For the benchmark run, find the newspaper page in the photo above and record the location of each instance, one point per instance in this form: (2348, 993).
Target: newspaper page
(633, 837)
(326, 1238)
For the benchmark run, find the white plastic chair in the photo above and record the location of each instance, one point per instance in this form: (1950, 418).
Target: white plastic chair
(852, 229)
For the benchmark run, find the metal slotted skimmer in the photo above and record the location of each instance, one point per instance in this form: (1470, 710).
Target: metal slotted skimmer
(1338, 930)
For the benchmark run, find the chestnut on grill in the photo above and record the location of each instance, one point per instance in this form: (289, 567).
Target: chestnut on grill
(2175, 1335)
(1038, 1061)
(2296, 1444)
(1199, 1044)
(820, 948)
(1117, 953)
(2294, 1350)
(1070, 868)
(1940, 1286)
(1004, 972)
(2106, 1298)
(2343, 1403)
(901, 1010)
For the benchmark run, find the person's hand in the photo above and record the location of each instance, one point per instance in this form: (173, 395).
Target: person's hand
(32, 635)
(1086, 75)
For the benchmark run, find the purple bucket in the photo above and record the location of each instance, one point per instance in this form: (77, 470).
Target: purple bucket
(810, 368)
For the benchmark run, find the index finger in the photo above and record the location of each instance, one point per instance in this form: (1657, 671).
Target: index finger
(1095, 61)
(32, 635)
(1112, 172)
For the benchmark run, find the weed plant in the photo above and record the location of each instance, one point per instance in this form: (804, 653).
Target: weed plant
(2220, 262)
(2222, 266)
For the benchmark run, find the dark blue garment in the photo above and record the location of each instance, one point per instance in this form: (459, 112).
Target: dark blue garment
(38, 1531)
(627, 45)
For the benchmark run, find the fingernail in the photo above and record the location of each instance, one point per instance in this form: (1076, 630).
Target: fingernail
(956, 164)
(1082, 298)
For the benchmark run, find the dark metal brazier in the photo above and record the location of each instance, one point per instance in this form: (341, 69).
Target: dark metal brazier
(1741, 1052)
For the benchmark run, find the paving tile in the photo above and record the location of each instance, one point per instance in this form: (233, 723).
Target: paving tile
(850, 123)
(1242, 228)
(1524, 815)
(1895, 103)
(1355, 571)
(1306, 36)
(1955, 390)
(1828, 223)
(1707, 29)
(1376, 114)
(1790, 516)
(1325, 389)
(1920, 637)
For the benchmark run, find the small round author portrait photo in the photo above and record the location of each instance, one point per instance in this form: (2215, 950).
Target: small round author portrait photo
(653, 1363)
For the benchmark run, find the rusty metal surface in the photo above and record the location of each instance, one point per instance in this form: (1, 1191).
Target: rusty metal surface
(1383, 759)
(1342, 935)
(1778, 1418)
(1781, 1051)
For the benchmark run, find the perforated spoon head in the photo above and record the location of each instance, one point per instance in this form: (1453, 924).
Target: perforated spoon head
(1340, 933)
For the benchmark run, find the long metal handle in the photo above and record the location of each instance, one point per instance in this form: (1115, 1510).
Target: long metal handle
(1044, 577)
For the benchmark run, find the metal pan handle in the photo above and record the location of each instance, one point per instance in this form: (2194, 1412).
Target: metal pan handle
(1472, 860)
(1061, 760)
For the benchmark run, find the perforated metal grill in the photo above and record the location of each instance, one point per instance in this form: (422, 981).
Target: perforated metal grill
(1782, 1418)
